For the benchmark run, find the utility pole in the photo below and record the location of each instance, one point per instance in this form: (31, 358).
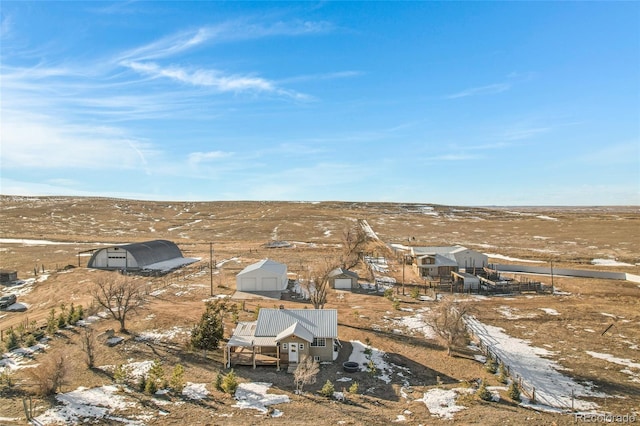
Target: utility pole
(552, 288)
(404, 261)
(211, 266)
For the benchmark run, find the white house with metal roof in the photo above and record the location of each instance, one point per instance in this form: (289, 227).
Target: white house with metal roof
(266, 275)
(284, 336)
(441, 261)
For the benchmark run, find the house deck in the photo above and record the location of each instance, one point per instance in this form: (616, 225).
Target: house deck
(244, 356)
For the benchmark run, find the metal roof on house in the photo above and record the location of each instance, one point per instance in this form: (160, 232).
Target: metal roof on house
(266, 264)
(319, 322)
(243, 334)
(441, 250)
(440, 260)
(296, 329)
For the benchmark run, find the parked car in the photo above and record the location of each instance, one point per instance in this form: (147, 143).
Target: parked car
(8, 300)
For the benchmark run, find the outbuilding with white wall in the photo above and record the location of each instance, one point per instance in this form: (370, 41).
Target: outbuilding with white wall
(266, 275)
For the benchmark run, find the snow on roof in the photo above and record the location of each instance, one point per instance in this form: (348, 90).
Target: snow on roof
(266, 264)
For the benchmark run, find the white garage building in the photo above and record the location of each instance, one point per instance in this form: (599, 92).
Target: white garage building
(343, 279)
(266, 275)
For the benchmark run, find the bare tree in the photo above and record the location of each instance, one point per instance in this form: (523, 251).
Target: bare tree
(354, 241)
(318, 285)
(305, 373)
(89, 344)
(119, 296)
(51, 374)
(447, 320)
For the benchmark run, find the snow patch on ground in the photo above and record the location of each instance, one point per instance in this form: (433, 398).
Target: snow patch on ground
(84, 405)
(416, 323)
(553, 389)
(195, 391)
(21, 357)
(158, 336)
(377, 356)
(609, 262)
(442, 402)
(512, 313)
(550, 311)
(630, 364)
(254, 396)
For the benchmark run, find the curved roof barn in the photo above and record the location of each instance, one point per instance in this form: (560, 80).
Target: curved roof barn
(155, 256)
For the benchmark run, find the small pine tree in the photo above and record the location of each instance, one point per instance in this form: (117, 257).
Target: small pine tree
(415, 293)
(371, 367)
(62, 320)
(503, 377)
(207, 333)
(218, 383)
(327, 389)
(388, 293)
(6, 379)
(353, 389)
(396, 304)
(230, 383)
(80, 312)
(52, 322)
(30, 340)
(150, 386)
(156, 375)
(483, 393)
(120, 374)
(12, 340)
(71, 314)
(514, 391)
(491, 365)
(177, 379)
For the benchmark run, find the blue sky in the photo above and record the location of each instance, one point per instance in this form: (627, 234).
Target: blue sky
(461, 103)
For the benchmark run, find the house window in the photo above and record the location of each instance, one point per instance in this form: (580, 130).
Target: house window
(284, 346)
(316, 358)
(301, 346)
(319, 341)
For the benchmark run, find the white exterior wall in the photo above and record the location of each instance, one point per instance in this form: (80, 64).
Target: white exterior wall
(470, 259)
(114, 258)
(261, 280)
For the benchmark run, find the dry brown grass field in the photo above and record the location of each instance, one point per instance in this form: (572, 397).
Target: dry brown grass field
(57, 230)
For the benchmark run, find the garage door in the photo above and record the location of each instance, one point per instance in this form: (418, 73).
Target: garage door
(269, 284)
(248, 284)
(343, 283)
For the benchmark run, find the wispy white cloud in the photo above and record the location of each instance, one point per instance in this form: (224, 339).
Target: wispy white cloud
(196, 158)
(517, 134)
(42, 142)
(617, 153)
(214, 79)
(324, 76)
(228, 31)
(5, 25)
(455, 157)
(490, 89)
